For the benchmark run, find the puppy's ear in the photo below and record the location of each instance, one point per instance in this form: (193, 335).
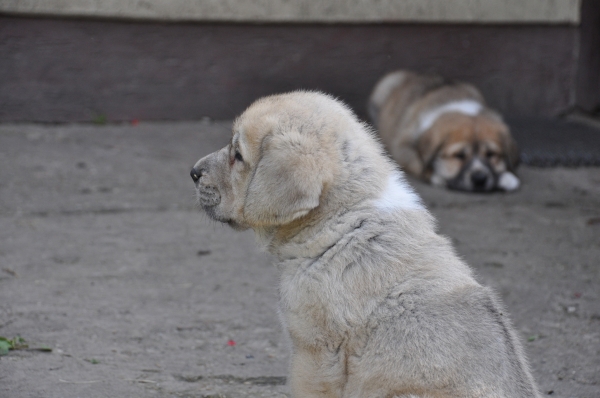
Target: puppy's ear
(288, 180)
(428, 146)
(512, 155)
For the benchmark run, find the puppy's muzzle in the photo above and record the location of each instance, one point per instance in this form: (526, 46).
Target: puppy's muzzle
(208, 196)
(196, 174)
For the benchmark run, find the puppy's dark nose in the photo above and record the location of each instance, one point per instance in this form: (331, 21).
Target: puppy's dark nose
(195, 174)
(479, 178)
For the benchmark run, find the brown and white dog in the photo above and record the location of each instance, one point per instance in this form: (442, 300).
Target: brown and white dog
(443, 132)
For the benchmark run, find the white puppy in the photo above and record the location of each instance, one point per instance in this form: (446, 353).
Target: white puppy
(376, 303)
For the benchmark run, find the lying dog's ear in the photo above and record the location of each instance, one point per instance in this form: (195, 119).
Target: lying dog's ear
(512, 155)
(288, 180)
(428, 146)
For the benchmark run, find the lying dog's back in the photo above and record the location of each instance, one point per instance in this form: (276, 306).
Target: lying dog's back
(400, 98)
(403, 88)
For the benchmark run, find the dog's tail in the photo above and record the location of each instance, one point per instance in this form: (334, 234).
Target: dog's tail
(382, 91)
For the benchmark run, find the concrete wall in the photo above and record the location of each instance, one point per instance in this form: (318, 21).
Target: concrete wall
(309, 11)
(58, 69)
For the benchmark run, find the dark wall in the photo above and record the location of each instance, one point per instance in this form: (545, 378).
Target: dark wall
(588, 75)
(73, 70)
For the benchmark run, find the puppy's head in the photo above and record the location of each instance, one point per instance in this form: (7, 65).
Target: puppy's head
(279, 163)
(469, 153)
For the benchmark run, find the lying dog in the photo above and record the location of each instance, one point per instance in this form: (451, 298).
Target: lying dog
(375, 302)
(443, 132)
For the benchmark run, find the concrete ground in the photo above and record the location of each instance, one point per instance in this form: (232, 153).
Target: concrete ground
(105, 259)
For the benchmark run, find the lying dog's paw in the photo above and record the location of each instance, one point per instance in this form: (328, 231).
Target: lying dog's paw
(508, 182)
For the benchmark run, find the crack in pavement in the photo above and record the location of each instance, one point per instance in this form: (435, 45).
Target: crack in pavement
(257, 381)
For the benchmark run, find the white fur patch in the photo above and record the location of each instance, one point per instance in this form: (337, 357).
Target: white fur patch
(467, 107)
(508, 181)
(398, 195)
(478, 165)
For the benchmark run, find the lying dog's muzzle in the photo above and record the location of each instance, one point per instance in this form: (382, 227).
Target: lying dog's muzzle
(479, 179)
(475, 176)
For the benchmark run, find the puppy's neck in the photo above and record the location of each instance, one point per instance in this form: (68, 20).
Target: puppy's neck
(325, 225)
(315, 233)
(311, 239)
(295, 238)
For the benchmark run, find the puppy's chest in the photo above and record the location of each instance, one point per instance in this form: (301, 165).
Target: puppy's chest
(317, 304)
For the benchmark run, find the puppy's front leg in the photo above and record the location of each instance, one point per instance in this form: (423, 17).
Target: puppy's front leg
(314, 375)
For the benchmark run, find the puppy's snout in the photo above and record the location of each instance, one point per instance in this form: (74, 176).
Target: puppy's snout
(479, 179)
(196, 174)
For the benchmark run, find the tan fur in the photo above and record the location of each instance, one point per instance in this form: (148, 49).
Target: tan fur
(402, 100)
(376, 303)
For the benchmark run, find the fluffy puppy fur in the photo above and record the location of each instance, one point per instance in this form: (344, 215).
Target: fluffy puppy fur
(376, 303)
(443, 132)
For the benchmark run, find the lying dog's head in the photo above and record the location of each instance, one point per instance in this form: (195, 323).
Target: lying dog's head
(469, 153)
(290, 155)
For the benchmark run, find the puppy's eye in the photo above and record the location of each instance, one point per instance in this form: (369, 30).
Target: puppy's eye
(460, 156)
(238, 156)
(490, 154)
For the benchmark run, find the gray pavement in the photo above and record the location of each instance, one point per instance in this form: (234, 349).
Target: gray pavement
(105, 259)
